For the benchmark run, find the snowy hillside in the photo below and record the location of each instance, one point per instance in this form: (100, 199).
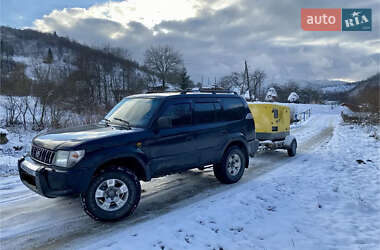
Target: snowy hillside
(372, 84)
(31, 47)
(329, 86)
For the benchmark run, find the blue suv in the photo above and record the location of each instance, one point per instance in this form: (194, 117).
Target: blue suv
(143, 137)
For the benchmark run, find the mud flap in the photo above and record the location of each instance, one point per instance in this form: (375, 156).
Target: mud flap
(253, 147)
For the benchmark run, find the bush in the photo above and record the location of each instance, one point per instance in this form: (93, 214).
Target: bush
(3, 136)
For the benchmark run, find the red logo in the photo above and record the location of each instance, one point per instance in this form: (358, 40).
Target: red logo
(321, 19)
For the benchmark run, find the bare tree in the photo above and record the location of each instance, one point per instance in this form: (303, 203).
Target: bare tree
(235, 81)
(11, 110)
(23, 107)
(226, 82)
(257, 79)
(43, 89)
(34, 110)
(56, 115)
(163, 61)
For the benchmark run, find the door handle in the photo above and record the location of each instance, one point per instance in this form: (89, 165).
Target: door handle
(189, 138)
(224, 132)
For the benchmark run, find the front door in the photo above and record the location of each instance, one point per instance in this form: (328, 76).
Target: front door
(171, 149)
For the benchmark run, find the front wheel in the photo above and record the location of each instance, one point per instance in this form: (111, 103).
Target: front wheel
(112, 195)
(231, 168)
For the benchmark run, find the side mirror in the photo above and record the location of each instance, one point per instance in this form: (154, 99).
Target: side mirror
(164, 122)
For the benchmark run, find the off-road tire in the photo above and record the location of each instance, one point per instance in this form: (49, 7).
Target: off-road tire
(134, 193)
(292, 150)
(221, 170)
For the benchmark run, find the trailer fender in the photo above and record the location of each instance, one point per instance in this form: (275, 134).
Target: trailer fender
(288, 141)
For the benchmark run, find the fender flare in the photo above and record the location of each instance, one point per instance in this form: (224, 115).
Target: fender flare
(236, 138)
(288, 141)
(136, 154)
(96, 160)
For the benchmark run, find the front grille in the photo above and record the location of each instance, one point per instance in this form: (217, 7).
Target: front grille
(42, 155)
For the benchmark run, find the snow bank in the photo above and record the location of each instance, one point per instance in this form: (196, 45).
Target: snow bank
(18, 144)
(293, 97)
(3, 131)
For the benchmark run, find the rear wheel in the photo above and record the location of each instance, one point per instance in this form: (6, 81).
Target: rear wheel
(231, 168)
(292, 150)
(112, 195)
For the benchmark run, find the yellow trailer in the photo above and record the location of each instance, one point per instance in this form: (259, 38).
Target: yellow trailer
(272, 125)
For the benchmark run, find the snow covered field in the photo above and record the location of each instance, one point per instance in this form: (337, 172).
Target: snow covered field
(18, 145)
(327, 197)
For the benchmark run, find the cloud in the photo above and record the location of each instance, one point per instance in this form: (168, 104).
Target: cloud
(148, 13)
(215, 37)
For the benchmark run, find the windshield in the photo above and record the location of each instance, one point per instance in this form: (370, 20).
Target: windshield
(136, 111)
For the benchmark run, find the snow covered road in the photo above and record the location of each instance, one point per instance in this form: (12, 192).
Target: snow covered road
(173, 207)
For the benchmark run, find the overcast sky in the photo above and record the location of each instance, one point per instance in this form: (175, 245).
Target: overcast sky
(215, 36)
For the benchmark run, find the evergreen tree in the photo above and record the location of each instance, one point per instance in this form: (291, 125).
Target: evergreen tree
(185, 80)
(49, 57)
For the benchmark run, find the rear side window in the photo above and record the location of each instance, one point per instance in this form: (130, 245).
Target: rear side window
(233, 109)
(180, 114)
(204, 113)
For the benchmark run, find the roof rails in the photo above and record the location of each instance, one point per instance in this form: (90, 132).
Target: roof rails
(210, 90)
(163, 91)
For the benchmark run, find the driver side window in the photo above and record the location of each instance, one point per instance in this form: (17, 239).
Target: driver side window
(179, 114)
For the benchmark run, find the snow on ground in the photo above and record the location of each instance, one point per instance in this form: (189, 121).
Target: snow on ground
(327, 197)
(324, 199)
(28, 61)
(31, 63)
(19, 142)
(338, 88)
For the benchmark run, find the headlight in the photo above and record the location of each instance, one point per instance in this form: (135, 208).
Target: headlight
(68, 158)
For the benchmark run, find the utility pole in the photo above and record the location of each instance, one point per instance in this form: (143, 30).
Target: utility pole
(247, 77)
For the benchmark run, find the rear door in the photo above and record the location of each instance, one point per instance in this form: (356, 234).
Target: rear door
(210, 132)
(234, 113)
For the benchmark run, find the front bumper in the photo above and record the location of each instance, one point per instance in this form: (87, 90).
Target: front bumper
(43, 179)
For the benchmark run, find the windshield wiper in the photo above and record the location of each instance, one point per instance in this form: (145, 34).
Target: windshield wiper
(107, 121)
(123, 121)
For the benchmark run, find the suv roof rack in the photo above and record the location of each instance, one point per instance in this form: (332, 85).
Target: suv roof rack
(210, 90)
(163, 91)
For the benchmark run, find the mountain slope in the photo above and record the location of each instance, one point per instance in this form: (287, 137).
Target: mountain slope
(34, 44)
(329, 86)
(75, 73)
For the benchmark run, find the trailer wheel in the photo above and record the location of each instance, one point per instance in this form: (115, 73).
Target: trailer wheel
(231, 168)
(292, 150)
